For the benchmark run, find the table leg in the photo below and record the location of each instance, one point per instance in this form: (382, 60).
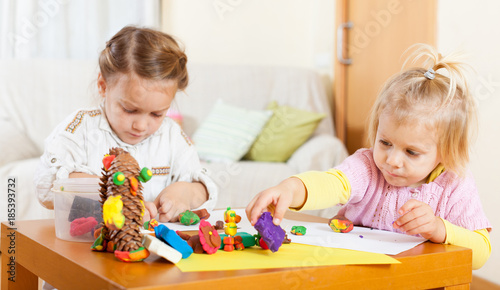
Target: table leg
(23, 279)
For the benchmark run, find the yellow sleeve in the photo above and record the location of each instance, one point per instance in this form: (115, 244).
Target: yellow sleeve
(324, 189)
(478, 241)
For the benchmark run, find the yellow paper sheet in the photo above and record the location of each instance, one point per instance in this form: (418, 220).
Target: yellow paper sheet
(289, 255)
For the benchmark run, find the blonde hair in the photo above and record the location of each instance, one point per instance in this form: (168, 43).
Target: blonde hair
(148, 53)
(442, 103)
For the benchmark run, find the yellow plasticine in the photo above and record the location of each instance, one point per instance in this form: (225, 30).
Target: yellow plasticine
(112, 212)
(143, 209)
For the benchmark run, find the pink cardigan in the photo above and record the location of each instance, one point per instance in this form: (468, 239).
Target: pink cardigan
(374, 202)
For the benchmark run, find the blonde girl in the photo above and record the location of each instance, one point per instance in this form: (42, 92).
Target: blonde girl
(413, 179)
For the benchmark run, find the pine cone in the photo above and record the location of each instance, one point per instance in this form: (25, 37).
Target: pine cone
(128, 238)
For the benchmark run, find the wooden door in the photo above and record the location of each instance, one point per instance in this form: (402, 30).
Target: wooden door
(381, 31)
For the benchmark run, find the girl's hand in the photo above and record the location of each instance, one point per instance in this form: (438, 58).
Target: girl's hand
(289, 193)
(150, 212)
(418, 218)
(179, 197)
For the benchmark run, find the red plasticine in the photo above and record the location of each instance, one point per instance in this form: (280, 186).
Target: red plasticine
(81, 226)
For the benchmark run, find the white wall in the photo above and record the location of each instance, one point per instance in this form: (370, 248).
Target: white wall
(257, 32)
(301, 33)
(472, 26)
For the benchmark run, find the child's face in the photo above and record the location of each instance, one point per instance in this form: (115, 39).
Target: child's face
(135, 108)
(405, 154)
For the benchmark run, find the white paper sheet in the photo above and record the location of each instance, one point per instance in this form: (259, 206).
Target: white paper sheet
(360, 238)
(320, 234)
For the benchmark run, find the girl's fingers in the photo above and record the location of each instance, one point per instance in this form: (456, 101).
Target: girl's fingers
(280, 210)
(151, 209)
(258, 208)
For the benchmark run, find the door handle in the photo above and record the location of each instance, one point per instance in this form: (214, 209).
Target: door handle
(340, 42)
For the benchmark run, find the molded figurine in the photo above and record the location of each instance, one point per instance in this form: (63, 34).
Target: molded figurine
(202, 213)
(244, 238)
(123, 207)
(188, 218)
(340, 224)
(209, 237)
(272, 234)
(260, 242)
(231, 219)
(170, 237)
(298, 230)
(230, 228)
(157, 246)
(150, 225)
(206, 241)
(193, 241)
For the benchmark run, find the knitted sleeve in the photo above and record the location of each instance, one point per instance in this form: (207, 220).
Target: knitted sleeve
(324, 189)
(478, 241)
(464, 208)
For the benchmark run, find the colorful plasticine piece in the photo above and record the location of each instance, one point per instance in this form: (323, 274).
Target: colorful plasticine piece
(150, 225)
(81, 226)
(170, 237)
(219, 225)
(272, 234)
(85, 207)
(238, 243)
(286, 240)
(132, 256)
(228, 242)
(260, 242)
(209, 237)
(298, 230)
(157, 246)
(193, 241)
(188, 218)
(247, 239)
(202, 213)
(263, 244)
(340, 224)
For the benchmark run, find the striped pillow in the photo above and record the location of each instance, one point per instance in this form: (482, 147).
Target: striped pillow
(228, 132)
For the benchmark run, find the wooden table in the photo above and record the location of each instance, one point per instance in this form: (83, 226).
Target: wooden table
(71, 265)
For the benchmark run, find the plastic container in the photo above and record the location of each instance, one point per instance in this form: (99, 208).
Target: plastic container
(77, 208)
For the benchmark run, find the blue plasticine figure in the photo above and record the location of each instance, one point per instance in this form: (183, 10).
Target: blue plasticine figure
(170, 237)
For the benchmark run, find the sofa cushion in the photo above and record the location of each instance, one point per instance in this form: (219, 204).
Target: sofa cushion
(239, 182)
(252, 87)
(36, 95)
(228, 132)
(286, 131)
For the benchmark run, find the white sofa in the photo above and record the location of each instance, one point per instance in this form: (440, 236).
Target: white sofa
(37, 94)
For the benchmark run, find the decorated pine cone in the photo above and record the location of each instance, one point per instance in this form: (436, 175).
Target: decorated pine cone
(122, 200)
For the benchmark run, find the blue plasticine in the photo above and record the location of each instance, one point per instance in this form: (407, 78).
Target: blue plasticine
(170, 237)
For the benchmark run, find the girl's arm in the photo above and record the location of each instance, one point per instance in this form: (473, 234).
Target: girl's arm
(190, 186)
(328, 189)
(309, 190)
(478, 241)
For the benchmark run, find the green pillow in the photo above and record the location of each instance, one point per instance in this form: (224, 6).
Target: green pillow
(286, 131)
